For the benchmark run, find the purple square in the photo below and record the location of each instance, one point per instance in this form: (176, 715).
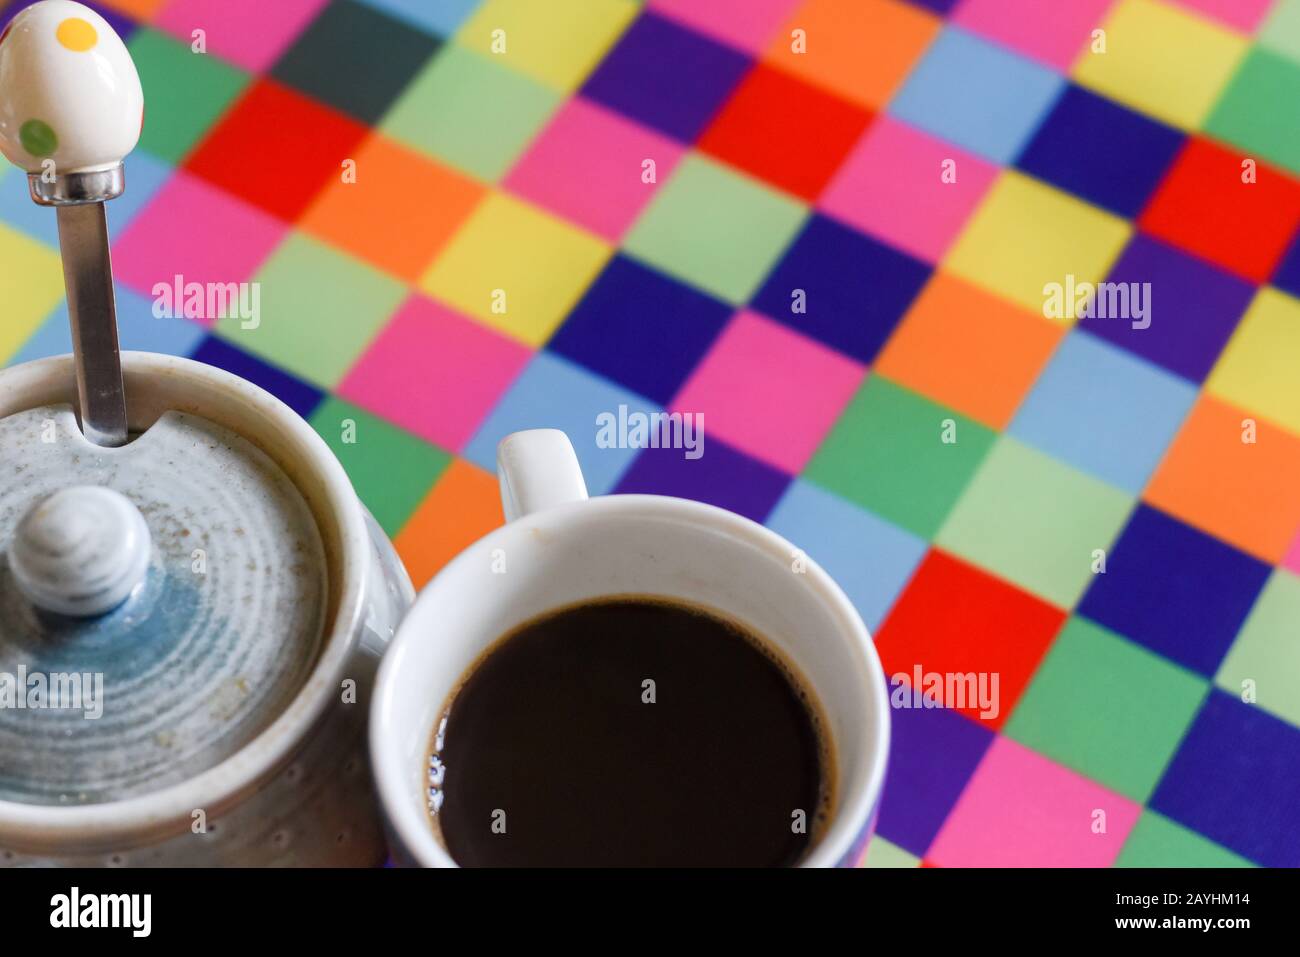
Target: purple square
(641, 329)
(1093, 147)
(857, 288)
(937, 6)
(667, 77)
(1287, 277)
(1234, 780)
(932, 754)
(293, 392)
(121, 24)
(721, 476)
(8, 10)
(1175, 590)
(1194, 308)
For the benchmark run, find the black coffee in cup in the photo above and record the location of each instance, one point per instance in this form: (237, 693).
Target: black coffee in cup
(630, 732)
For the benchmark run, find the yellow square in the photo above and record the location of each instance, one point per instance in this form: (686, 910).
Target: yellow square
(31, 285)
(557, 42)
(1162, 60)
(1259, 370)
(1027, 235)
(516, 268)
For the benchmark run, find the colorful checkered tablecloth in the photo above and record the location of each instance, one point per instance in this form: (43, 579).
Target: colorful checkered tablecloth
(830, 227)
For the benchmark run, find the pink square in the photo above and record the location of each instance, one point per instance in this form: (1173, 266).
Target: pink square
(1021, 810)
(769, 391)
(434, 372)
(1054, 32)
(893, 185)
(1243, 15)
(588, 166)
(196, 231)
(252, 35)
(748, 24)
(1292, 559)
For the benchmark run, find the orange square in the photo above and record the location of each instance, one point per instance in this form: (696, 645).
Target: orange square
(139, 9)
(461, 508)
(969, 349)
(861, 49)
(1248, 494)
(376, 217)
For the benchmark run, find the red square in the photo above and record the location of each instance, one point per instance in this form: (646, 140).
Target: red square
(277, 149)
(955, 619)
(785, 131)
(1204, 207)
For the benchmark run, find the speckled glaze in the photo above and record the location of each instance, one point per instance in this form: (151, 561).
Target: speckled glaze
(201, 658)
(290, 785)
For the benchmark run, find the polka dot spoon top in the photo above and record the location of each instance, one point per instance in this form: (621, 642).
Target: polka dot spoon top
(69, 91)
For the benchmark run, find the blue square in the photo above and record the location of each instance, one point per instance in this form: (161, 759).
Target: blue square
(855, 289)
(932, 754)
(145, 175)
(1094, 147)
(667, 77)
(18, 210)
(1104, 411)
(870, 558)
(293, 392)
(1175, 590)
(722, 476)
(1287, 276)
(1234, 779)
(440, 17)
(137, 329)
(552, 393)
(980, 96)
(641, 329)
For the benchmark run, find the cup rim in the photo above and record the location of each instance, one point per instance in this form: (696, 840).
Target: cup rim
(155, 815)
(859, 797)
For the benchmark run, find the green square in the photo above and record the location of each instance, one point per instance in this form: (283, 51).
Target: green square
(715, 229)
(318, 308)
(888, 453)
(470, 112)
(1257, 110)
(1035, 521)
(1281, 31)
(883, 854)
(184, 92)
(1107, 708)
(1266, 652)
(1156, 841)
(391, 469)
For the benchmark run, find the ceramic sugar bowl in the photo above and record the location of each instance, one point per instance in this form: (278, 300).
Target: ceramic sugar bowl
(189, 627)
(193, 601)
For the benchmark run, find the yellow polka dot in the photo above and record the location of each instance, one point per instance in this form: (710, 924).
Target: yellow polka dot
(77, 35)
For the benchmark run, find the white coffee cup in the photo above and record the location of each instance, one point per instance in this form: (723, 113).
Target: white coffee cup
(560, 547)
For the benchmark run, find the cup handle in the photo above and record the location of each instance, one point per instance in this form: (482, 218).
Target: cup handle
(538, 469)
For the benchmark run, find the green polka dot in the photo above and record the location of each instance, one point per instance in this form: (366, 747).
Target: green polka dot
(38, 139)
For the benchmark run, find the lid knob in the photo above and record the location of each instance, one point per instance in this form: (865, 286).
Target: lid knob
(81, 551)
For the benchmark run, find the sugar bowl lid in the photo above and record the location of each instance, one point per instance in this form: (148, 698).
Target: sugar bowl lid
(161, 604)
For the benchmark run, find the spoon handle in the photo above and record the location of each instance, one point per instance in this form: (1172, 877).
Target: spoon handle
(88, 277)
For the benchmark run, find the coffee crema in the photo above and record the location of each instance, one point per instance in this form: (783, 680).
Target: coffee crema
(630, 731)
